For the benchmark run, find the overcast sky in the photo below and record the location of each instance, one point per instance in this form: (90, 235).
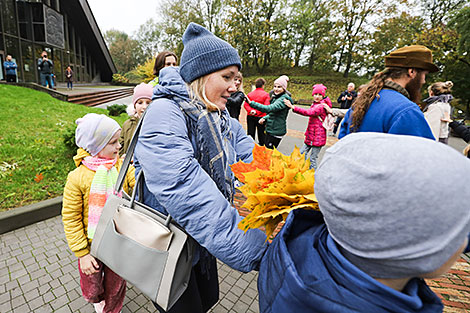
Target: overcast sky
(123, 15)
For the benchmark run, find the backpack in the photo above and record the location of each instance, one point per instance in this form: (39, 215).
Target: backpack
(328, 123)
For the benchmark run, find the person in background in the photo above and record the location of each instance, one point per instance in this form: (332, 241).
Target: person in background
(253, 116)
(437, 110)
(276, 120)
(463, 132)
(383, 227)
(163, 59)
(236, 99)
(85, 193)
(345, 100)
(389, 102)
(69, 77)
(45, 67)
(185, 148)
(141, 99)
(315, 135)
(10, 69)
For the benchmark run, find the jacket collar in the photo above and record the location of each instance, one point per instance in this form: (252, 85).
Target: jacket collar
(388, 84)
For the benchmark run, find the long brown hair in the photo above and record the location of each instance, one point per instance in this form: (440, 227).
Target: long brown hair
(370, 92)
(160, 61)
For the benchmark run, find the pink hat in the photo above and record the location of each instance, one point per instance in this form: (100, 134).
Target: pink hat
(282, 81)
(142, 91)
(319, 88)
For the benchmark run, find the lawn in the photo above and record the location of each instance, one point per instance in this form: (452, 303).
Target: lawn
(34, 160)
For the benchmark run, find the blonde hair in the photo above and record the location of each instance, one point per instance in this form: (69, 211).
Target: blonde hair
(466, 151)
(441, 88)
(197, 92)
(240, 75)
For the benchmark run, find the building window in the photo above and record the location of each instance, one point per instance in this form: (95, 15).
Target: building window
(29, 64)
(9, 16)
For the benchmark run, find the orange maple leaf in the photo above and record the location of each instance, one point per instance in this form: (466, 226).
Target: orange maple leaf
(39, 177)
(261, 160)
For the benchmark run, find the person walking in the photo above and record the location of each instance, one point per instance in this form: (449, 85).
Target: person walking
(259, 95)
(345, 100)
(236, 99)
(185, 147)
(389, 102)
(437, 110)
(85, 194)
(315, 135)
(10, 69)
(276, 120)
(45, 67)
(69, 77)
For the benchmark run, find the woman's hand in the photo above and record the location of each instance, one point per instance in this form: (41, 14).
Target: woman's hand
(327, 108)
(288, 103)
(88, 264)
(261, 121)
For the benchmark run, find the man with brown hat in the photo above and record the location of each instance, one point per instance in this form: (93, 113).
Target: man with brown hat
(388, 103)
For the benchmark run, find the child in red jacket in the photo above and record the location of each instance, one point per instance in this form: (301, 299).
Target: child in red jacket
(315, 135)
(253, 115)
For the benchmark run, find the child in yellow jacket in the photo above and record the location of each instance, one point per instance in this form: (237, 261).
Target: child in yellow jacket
(85, 193)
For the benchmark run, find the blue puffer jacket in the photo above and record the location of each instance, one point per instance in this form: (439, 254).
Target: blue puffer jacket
(304, 271)
(392, 113)
(176, 183)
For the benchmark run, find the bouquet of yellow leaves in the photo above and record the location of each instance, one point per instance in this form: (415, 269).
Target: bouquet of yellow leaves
(274, 185)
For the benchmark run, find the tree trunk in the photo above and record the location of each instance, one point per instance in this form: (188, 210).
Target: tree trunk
(340, 59)
(348, 65)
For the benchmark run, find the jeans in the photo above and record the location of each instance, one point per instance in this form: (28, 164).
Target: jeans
(314, 152)
(69, 84)
(253, 125)
(46, 79)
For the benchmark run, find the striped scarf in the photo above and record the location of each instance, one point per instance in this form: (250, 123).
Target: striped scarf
(210, 129)
(101, 187)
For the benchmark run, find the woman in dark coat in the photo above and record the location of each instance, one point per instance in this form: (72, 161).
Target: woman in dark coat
(235, 102)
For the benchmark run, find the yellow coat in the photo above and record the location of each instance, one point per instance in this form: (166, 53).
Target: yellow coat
(75, 203)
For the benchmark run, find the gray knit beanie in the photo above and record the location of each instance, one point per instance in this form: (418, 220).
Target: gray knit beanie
(204, 53)
(398, 206)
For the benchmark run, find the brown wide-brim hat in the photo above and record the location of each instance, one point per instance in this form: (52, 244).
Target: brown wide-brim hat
(415, 56)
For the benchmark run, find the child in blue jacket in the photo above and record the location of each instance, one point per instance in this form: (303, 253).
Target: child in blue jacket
(382, 228)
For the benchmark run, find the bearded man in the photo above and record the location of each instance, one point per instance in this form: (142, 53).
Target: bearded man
(389, 102)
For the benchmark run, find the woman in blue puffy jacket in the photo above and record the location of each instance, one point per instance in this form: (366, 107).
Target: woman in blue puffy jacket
(185, 147)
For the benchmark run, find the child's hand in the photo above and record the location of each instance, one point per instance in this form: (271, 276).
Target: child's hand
(88, 264)
(288, 103)
(327, 108)
(261, 120)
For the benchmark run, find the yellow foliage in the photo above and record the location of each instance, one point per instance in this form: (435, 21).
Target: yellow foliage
(273, 192)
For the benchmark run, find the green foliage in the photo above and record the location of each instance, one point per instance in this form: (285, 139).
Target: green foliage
(68, 137)
(126, 52)
(116, 109)
(32, 128)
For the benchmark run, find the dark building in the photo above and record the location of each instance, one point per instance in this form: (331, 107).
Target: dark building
(66, 29)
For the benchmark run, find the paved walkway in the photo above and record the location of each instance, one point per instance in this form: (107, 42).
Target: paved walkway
(38, 273)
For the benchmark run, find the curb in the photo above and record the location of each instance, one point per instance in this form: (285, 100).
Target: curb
(30, 214)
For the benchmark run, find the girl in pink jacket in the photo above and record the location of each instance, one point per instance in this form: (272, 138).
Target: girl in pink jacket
(315, 135)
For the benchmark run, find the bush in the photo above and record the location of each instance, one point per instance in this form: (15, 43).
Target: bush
(119, 79)
(69, 139)
(116, 109)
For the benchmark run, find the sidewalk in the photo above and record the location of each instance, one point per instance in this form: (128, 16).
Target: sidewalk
(38, 273)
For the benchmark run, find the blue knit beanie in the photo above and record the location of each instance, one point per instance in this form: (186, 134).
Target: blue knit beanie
(205, 53)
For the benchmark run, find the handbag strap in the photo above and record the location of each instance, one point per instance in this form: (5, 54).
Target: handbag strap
(129, 155)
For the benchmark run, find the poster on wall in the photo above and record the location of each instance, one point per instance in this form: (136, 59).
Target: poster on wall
(54, 28)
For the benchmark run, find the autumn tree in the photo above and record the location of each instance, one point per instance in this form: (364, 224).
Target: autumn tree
(149, 37)
(125, 51)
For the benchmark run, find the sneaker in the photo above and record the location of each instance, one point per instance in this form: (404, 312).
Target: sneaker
(99, 307)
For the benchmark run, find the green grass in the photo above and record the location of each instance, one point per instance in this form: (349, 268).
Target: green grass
(32, 125)
(301, 86)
